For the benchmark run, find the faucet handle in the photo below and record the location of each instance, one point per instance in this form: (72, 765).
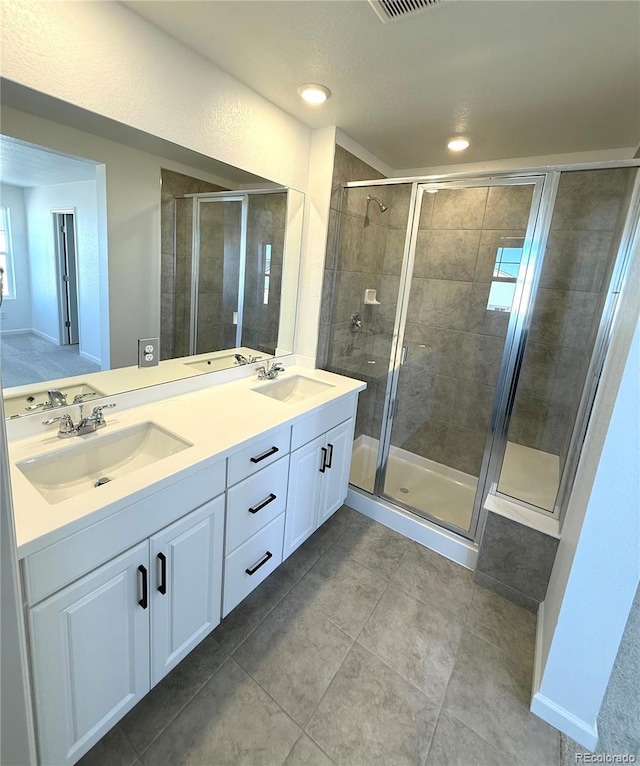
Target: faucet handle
(79, 398)
(96, 413)
(66, 424)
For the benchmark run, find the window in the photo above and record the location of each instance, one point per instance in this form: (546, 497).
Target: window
(505, 274)
(6, 254)
(267, 273)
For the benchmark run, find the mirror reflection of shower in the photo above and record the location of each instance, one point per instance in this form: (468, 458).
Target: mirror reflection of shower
(381, 207)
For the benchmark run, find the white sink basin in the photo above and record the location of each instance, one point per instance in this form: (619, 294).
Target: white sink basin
(18, 404)
(293, 390)
(84, 465)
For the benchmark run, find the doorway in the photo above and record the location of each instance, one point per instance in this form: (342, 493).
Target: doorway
(67, 270)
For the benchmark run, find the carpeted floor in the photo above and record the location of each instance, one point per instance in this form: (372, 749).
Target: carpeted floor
(619, 719)
(27, 358)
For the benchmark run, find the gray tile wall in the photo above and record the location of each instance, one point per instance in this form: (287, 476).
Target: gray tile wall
(455, 345)
(581, 248)
(174, 271)
(515, 561)
(267, 216)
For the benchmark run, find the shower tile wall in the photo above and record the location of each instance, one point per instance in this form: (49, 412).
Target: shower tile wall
(266, 225)
(172, 290)
(455, 344)
(581, 249)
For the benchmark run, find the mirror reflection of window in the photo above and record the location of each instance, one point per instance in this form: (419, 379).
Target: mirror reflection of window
(6, 256)
(266, 266)
(505, 273)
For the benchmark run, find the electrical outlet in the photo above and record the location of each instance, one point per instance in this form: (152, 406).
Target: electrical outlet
(148, 352)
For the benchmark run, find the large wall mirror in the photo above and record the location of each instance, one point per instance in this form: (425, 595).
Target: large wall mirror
(118, 241)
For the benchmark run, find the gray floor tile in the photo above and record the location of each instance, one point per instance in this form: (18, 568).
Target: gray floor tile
(231, 722)
(416, 640)
(502, 623)
(490, 692)
(246, 617)
(455, 744)
(341, 589)
(374, 545)
(370, 715)
(163, 703)
(293, 655)
(113, 749)
(306, 753)
(436, 581)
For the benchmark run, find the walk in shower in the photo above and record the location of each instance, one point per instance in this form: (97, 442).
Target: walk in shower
(476, 310)
(227, 267)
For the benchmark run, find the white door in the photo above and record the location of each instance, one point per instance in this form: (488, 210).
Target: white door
(306, 470)
(186, 585)
(335, 482)
(90, 654)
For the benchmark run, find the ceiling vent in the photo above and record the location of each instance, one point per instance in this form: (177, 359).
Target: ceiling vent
(391, 10)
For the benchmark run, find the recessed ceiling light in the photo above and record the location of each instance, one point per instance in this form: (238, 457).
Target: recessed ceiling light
(458, 144)
(313, 93)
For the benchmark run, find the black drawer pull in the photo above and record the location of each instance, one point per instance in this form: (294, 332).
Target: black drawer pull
(265, 455)
(263, 504)
(330, 460)
(324, 460)
(162, 588)
(268, 555)
(144, 601)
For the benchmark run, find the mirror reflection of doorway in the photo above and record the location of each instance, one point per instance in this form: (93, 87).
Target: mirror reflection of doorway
(66, 263)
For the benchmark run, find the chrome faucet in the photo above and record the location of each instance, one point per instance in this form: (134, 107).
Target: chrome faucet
(84, 426)
(55, 398)
(241, 359)
(269, 373)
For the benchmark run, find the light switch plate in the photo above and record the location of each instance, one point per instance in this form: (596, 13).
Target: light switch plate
(148, 352)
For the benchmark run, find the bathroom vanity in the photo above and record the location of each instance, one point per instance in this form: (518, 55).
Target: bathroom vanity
(203, 496)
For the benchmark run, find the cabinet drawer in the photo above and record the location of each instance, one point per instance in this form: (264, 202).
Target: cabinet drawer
(259, 454)
(322, 420)
(265, 546)
(256, 501)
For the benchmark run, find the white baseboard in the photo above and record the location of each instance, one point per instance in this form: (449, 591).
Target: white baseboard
(415, 528)
(91, 358)
(44, 335)
(24, 331)
(560, 718)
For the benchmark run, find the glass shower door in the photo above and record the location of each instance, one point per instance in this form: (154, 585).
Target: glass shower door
(217, 273)
(467, 267)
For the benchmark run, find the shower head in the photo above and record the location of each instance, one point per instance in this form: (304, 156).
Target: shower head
(379, 203)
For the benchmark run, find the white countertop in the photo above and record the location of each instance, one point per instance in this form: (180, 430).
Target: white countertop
(216, 420)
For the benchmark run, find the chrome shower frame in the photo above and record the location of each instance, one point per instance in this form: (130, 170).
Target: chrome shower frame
(546, 179)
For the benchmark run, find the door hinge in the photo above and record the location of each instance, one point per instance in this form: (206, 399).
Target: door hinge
(65, 277)
(63, 229)
(67, 324)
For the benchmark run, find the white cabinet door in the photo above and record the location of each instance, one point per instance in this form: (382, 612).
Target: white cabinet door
(335, 480)
(186, 585)
(305, 475)
(90, 655)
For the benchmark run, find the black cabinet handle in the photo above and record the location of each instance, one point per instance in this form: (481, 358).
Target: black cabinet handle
(162, 588)
(324, 460)
(268, 555)
(263, 504)
(144, 601)
(330, 460)
(266, 454)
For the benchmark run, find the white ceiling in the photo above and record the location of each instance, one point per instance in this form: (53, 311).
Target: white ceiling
(22, 164)
(519, 78)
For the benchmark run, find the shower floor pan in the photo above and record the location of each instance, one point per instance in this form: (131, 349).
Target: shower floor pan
(448, 494)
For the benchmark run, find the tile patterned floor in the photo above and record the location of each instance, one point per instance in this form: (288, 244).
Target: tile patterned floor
(363, 648)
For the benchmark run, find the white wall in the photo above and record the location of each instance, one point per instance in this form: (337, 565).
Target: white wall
(597, 567)
(104, 58)
(16, 313)
(81, 196)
